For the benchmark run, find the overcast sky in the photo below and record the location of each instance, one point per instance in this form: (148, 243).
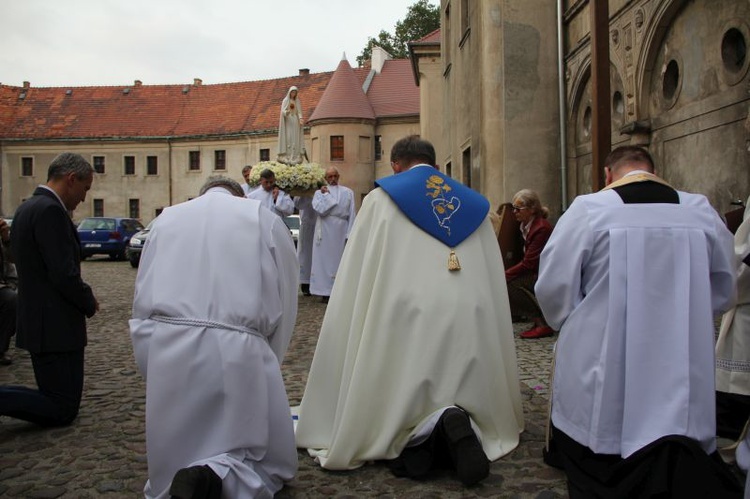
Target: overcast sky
(114, 42)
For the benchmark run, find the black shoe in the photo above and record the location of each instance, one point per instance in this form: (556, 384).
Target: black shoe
(466, 451)
(196, 482)
(5, 359)
(305, 289)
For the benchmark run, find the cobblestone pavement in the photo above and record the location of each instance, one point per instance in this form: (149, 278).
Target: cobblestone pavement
(103, 453)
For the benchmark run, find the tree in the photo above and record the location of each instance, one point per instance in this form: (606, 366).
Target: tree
(421, 19)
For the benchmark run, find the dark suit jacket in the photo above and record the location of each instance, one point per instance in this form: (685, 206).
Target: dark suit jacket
(53, 300)
(539, 233)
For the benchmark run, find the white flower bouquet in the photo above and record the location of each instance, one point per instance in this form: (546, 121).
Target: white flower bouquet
(295, 180)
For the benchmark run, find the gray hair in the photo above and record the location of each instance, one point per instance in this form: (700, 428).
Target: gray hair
(530, 200)
(221, 181)
(67, 163)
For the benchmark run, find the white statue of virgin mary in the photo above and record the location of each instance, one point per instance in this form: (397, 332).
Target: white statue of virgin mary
(291, 137)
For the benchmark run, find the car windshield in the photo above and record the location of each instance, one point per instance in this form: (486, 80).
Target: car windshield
(97, 224)
(292, 222)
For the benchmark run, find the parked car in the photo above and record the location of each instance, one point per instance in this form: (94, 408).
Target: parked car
(135, 246)
(106, 235)
(292, 221)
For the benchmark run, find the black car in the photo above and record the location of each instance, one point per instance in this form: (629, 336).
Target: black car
(107, 235)
(135, 246)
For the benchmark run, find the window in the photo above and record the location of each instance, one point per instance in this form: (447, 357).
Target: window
(129, 165)
(134, 208)
(464, 17)
(265, 155)
(99, 164)
(337, 148)
(449, 169)
(157, 212)
(27, 167)
(98, 207)
(466, 164)
(195, 160)
(220, 160)
(152, 165)
(378, 147)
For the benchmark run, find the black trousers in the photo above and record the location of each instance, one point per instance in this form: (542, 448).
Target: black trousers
(7, 317)
(670, 467)
(59, 376)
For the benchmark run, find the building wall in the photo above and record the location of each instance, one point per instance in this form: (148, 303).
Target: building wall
(173, 183)
(500, 100)
(356, 169)
(678, 87)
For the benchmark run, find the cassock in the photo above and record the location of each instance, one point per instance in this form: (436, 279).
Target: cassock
(283, 206)
(633, 290)
(335, 210)
(213, 314)
(733, 345)
(307, 218)
(404, 337)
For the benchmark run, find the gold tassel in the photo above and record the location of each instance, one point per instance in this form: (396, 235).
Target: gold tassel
(453, 262)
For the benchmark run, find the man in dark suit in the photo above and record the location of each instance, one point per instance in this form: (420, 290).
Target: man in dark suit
(53, 300)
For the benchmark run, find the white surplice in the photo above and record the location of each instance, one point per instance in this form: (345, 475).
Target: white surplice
(283, 207)
(307, 218)
(733, 345)
(631, 365)
(213, 314)
(336, 214)
(404, 337)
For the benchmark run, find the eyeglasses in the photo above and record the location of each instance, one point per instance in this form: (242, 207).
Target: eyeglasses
(518, 208)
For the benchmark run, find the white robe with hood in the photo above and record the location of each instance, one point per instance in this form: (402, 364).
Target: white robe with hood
(228, 302)
(336, 214)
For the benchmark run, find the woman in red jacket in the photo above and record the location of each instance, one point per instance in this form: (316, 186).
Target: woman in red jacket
(521, 277)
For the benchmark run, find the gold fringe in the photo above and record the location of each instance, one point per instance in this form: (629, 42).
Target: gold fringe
(453, 262)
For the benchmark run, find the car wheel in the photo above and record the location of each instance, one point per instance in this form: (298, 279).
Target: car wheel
(134, 261)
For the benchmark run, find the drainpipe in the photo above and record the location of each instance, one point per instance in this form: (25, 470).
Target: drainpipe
(562, 110)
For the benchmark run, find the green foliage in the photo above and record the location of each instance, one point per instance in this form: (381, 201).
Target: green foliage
(421, 19)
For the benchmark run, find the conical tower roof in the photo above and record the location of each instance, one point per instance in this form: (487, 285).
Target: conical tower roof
(343, 97)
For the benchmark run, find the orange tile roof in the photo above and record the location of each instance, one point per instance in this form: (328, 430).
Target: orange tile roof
(433, 37)
(136, 112)
(344, 97)
(393, 92)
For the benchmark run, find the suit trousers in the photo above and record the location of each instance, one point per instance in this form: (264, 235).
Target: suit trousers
(7, 317)
(59, 376)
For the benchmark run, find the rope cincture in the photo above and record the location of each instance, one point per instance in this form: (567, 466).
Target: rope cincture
(186, 321)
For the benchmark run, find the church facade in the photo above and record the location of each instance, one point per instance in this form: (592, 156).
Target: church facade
(678, 86)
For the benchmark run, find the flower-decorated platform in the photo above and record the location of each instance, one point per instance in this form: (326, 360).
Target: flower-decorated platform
(296, 180)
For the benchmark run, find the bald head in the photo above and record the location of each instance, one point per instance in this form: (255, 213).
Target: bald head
(332, 176)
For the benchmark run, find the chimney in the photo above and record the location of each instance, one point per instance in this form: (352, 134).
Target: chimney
(137, 83)
(197, 82)
(379, 56)
(26, 84)
(304, 72)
